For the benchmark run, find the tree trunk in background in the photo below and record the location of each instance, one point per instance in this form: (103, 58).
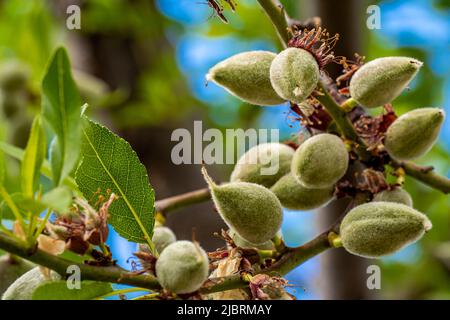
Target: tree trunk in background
(342, 275)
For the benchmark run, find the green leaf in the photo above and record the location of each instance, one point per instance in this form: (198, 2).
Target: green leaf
(23, 204)
(58, 199)
(33, 158)
(2, 168)
(18, 153)
(58, 290)
(109, 163)
(61, 109)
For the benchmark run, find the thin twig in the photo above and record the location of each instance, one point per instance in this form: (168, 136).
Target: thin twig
(425, 175)
(275, 11)
(170, 204)
(111, 274)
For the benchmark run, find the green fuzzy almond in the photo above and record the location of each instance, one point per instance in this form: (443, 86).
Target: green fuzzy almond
(162, 237)
(382, 80)
(253, 211)
(378, 229)
(294, 196)
(255, 165)
(398, 195)
(320, 161)
(414, 133)
(294, 74)
(182, 267)
(241, 242)
(246, 76)
(24, 287)
(11, 268)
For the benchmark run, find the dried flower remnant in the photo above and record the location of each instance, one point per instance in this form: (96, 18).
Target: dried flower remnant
(371, 180)
(373, 129)
(312, 115)
(349, 67)
(82, 225)
(316, 41)
(264, 287)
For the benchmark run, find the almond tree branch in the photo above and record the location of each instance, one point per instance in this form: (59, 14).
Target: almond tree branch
(183, 200)
(111, 274)
(425, 175)
(342, 121)
(290, 259)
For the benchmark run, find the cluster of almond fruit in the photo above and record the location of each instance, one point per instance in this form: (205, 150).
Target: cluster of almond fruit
(251, 204)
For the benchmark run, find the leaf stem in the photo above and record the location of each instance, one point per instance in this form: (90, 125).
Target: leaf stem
(276, 13)
(344, 124)
(8, 200)
(42, 225)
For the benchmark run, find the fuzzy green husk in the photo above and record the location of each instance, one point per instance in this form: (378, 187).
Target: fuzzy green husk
(294, 196)
(11, 268)
(249, 166)
(414, 133)
(24, 287)
(241, 242)
(246, 76)
(253, 211)
(162, 237)
(294, 74)
(398, 195)
(378, 229)
(381, 80)
(320, 161)
(182, 267)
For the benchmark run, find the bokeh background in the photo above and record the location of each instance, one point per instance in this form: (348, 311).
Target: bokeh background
(140, 64)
